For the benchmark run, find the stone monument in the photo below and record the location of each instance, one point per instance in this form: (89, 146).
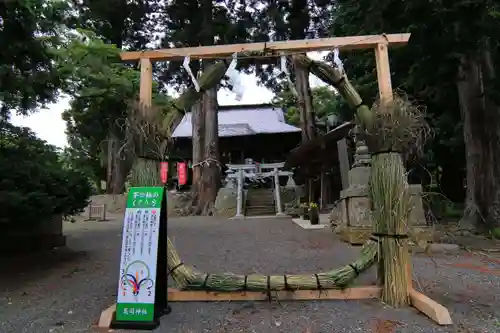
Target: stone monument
(351, 216)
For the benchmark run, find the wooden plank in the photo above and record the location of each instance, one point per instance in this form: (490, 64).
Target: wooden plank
(303, 45)
(431, 308)
(146, 85)
(106, 317)
(368, 292)
(383, 73)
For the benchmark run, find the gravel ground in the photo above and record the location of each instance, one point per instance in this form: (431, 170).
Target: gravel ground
(65, 290)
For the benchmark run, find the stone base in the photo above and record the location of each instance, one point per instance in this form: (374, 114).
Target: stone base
(305, 224)
(355, 235)
(420, 236)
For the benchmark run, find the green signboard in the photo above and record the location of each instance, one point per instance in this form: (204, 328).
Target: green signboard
(139, 255)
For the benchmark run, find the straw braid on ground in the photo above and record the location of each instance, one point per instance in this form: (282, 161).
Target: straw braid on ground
(186, 277)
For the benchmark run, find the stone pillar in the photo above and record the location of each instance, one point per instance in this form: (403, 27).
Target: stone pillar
(421, 232)
(352, 215)
(277, 192)
(355, 203)
(239, 194)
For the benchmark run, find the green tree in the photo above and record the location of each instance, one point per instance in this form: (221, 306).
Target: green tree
(39, 187)
(193, 23)
(28, 31)
(102, 88)
(326, 103)
(277, 20)
(123, 24)
(451, 43)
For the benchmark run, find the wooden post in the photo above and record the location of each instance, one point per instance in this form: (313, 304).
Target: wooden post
(383, 73)
(386, 96)
(146, 86)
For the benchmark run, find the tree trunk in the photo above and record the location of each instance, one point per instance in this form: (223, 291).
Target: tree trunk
(306, 111)
(307, 117)
(117, 167)
(198, 139)
(109, 165)
(481, 117)
(211, 168)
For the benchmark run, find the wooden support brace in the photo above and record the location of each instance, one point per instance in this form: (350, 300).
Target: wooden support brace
(176, 295)
(106, 317)
(431, 308)
(368, 292)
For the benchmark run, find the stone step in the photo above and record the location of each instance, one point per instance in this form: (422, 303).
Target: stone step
(260, 210)
(260, 202)
(259, 206)
(260, 192)
(261, 195)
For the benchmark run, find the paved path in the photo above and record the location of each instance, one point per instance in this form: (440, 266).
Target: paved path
(65, 290)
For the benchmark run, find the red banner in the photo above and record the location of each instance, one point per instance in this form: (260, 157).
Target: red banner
(163, 172)
(181, 173)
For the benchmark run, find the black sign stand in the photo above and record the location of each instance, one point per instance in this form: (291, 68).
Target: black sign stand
(161, 299)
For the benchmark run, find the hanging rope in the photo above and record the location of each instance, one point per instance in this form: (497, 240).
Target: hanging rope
(206, 162)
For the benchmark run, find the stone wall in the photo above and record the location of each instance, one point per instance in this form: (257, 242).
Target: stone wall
(226, 202)
(177, 203)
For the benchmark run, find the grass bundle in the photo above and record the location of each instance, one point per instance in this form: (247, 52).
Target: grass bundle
(395, 128)
(188, 278)
(398, 126)
(146, 139)
(389, 192)
(147, 130)
(145, 172)
(180, 273)
(335, 77)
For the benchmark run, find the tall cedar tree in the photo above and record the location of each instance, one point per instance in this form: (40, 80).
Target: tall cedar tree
(193, 23)
(449, 65)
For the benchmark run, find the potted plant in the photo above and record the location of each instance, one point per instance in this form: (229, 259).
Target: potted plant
(313, 213)
(305, 211)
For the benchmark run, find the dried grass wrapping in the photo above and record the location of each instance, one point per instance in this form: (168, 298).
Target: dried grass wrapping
(187, 277)
(394, 130)
(146, 141)
(391, 207)
(399, 126)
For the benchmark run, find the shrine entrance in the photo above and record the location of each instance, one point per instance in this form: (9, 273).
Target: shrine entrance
(264, 176)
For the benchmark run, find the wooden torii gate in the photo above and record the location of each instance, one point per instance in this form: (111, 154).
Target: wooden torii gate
(380, 44)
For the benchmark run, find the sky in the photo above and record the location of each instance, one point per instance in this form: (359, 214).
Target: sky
(49, 126)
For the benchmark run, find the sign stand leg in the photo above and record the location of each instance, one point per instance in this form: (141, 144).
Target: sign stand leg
(161, 306)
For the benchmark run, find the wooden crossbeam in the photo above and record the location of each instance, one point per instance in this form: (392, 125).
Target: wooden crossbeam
(290, 46)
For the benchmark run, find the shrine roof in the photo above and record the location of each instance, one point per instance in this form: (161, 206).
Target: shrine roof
(321, 150)
(242, 120)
